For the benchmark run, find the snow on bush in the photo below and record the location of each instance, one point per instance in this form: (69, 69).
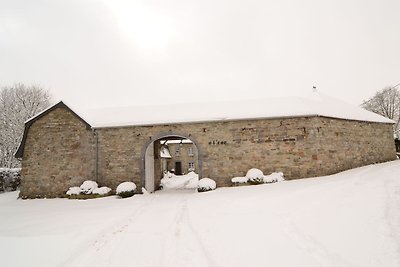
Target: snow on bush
(102, 190)
(126, 189)
(239, 180)
(172, 181)
(9, 179)
(76, 190)
(206, 184)
(255, 176)
(274, 177)
(88, 186)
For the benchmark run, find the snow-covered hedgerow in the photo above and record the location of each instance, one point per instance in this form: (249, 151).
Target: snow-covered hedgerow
(126, 189)
(88, 186)
(274, 177)
(206, 184)
(101, 191)
(76, 190)
(256, 176)
(9, 179)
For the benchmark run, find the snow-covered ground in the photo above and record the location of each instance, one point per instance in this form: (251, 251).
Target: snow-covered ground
(348, 219)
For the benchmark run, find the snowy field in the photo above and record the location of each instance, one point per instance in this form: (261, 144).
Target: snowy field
(348, 219)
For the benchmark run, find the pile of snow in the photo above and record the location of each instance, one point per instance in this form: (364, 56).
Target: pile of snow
(76, 190)
(126, 187)
(187, 181)
(206, 184)
(88, 186)
(256, 176)
(102, 191)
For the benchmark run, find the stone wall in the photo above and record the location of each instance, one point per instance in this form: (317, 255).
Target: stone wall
(59, 153)
(299, 147)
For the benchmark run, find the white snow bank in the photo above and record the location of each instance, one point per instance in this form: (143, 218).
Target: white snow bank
(355, 222)
(102, 190)
(76, 190)
(88, 186)
(126, 187)
(187, 181)
(206, 184)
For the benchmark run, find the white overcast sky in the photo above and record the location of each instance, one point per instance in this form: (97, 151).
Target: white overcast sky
(118, 53)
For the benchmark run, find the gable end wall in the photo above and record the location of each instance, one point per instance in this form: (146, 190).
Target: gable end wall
(59, 153)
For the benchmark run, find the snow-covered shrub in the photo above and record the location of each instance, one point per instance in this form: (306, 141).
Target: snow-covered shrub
(206, 184)
(126, 189)
(255, 176)
(101, 191)
(239, 180)
(274, 177)
(88, 186)
(9, 179)
(76, 190)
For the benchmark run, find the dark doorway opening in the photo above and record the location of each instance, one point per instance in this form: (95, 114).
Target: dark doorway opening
(178, 168)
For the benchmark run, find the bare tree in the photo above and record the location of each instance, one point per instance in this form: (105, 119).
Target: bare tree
(18, 103)
(386, 102)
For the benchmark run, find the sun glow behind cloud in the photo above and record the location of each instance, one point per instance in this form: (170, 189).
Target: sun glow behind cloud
(147, 27)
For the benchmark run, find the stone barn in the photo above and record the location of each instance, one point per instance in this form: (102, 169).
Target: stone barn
(301, 137)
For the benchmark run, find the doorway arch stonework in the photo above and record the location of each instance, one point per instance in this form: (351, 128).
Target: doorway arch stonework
(159, 136)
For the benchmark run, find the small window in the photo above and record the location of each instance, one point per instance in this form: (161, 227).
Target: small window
(177, 151)
(191, 166)
(190, 151)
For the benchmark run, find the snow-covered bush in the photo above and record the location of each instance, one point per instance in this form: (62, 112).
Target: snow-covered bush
(126, 189)
(88, 186)
(255, 176)
(239, 180)
(206, 184)
(101, 191)
(274, 177)
(76, 190)
(9, 179)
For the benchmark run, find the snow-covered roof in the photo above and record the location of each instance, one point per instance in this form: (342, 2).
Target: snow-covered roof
(315, 104)
(164, 153)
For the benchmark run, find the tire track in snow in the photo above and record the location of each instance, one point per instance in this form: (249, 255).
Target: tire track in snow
(111, 233)
(183, 246)
(321, 254)
(392, 212)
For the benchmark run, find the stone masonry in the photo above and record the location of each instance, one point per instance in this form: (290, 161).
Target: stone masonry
(61, 152)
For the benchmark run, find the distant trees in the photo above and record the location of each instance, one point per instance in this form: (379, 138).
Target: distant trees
(18, 103)
(386, 102)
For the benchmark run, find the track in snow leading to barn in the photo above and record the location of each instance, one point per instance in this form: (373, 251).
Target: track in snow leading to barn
(162, 224)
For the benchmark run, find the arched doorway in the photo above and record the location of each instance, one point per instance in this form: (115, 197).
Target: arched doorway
(175, 153)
